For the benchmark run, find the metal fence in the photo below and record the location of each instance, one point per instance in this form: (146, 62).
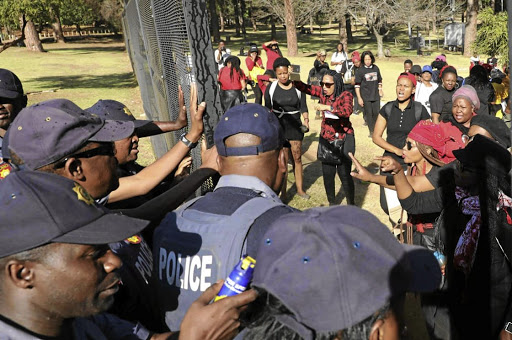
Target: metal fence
(169, 46)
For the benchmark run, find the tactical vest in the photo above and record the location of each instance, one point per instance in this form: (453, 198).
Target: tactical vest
(194, 249)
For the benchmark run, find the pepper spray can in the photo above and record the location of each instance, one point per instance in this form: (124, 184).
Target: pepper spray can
(239, 279)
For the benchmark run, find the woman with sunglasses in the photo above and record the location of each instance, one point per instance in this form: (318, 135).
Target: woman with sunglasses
(441, 99)
(282, 98)
(476, 233)
(337, 135)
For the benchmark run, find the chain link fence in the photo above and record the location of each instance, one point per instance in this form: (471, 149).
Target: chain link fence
(169, 45)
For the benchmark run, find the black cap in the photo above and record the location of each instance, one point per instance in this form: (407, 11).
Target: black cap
(10, 85)
(114, 110)
(39, 208)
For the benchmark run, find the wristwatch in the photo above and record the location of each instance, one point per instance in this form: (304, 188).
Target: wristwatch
(188, 143)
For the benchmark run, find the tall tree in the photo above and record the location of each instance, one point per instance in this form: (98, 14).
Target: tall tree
(291, 29)
(237, 17)
(242, 18)
(23, 13)
(214, 20)
(470, 35)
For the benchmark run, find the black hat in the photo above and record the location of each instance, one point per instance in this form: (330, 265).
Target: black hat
(39, 208)
(10, 85)
(495, 127)
(483, 154)
(113, 110)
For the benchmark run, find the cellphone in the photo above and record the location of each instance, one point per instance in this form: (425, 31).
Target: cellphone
(508, 327)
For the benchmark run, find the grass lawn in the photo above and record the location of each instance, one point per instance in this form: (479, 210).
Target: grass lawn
(89, 70)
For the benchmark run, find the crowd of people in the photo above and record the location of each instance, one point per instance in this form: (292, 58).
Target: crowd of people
(96, 246)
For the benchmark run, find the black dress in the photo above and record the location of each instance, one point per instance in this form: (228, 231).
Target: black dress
(287, 101)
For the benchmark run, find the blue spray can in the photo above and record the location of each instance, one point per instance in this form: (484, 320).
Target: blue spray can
(440, 258)
(239, 279)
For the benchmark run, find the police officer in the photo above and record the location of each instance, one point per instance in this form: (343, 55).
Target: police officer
(57, 272)
(203, 240)
(12, 100)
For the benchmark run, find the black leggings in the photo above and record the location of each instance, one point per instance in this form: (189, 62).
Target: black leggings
(371, 112)
(329, 172)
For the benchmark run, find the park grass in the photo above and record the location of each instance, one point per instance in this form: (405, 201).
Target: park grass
(88, 70)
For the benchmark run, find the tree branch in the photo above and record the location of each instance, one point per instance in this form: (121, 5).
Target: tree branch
(18, 40)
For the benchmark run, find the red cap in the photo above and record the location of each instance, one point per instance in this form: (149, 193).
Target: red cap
(355, 56)
(410, 76)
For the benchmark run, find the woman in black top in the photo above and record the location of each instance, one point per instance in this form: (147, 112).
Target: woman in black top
(441, 99)
(368, 85)
(289, 104)
(479, 79)
(398, 118)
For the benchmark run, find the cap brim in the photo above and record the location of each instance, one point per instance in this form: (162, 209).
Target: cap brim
(423, 269)
(107, 229)
(9, 94)
(140, 123)
(113, 130)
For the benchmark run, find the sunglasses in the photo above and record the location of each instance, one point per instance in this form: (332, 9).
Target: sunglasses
(409, 145)
(106, 149)
(328, 85)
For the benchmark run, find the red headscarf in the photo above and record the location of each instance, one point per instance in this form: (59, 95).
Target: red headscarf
(431, 134)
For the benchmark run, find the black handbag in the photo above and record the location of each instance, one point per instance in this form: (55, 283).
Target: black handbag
(330, 152)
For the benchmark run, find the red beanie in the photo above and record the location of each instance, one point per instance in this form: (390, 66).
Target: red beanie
(355, 56)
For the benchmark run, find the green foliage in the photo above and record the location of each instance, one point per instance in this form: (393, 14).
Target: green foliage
(492, 35)
(79, 12)
(11, 10)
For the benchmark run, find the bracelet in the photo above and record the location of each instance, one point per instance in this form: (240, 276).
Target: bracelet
(188, 143)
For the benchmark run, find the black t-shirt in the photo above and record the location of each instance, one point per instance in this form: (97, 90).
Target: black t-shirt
(285, 100)
(368, 79)
(400, 123)
(441, 101)
(320, 66)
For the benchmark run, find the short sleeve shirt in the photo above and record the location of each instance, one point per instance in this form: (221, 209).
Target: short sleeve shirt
(400, 123)
(441, 101)
(368, 79)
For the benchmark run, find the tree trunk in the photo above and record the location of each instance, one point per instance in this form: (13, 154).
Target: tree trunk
(32, 38)
(57, 30)
(214, 20)
(273, 31)
(242, 18)
(78, 29)
(380, 43)
(342, 31)
(237, 16)
(311, 24)
(348, 27)
(434, 25)
(291, 31)
(222, 15)
(470, 36)
(252, 18)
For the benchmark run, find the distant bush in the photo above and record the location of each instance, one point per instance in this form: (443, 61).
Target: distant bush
(492, 35)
